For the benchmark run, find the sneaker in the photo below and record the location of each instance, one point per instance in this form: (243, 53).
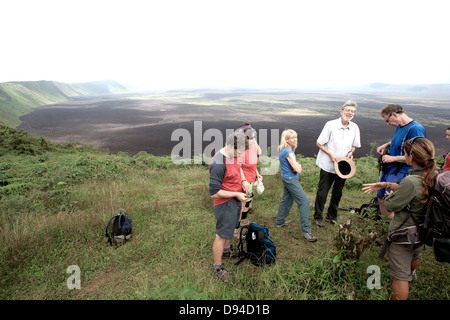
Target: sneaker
(222, 274)
(331, 221)
(319, 223)
(309, 236)
(285, 223)
(230, 253)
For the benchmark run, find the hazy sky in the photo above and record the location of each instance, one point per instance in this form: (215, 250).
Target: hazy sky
(166, 44)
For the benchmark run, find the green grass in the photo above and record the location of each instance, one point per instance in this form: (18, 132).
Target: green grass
(56, 199)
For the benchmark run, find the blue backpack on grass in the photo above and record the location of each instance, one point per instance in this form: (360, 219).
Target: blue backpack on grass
(121, 230)
(260, 249)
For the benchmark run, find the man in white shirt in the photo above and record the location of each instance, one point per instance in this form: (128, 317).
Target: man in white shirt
(339, 138)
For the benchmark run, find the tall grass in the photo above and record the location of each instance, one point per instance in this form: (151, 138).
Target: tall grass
(58, 220)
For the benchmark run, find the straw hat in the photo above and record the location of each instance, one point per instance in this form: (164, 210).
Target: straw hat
(345, 167)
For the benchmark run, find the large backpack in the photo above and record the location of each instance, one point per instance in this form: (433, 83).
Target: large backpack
(260, 249)
(121, 230)
(435, 231)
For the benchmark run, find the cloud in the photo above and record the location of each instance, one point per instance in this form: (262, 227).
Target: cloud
(226, 43)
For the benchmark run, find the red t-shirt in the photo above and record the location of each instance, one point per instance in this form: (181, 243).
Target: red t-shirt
(446, 166)
(224, 174)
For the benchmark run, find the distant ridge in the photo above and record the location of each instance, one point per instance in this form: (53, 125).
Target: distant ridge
(382, 88)
(18, 98)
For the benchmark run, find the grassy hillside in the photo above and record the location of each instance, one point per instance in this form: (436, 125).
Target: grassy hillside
(18, 98)
(56, 198)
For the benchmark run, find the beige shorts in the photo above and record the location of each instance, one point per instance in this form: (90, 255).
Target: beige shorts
(400, 258)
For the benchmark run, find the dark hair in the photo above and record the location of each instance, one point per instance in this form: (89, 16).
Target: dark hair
(246, 128)
(422, 152)
(237, 140)
(391, 108)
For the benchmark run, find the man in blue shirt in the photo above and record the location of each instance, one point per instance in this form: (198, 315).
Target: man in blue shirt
(393, 154)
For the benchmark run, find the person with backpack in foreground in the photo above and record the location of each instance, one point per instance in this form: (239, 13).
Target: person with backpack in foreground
(408, 200)
(292, 189)
(225, 187)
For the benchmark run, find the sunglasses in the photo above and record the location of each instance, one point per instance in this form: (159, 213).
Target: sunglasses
(409, 143)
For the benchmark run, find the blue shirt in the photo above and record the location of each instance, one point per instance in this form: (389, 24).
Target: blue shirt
(286, 171)
(401, 135)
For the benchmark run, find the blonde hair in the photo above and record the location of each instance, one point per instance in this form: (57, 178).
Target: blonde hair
(287, 134)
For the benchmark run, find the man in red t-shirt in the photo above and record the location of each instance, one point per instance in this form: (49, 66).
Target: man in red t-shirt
(446, 166)
(226, 189)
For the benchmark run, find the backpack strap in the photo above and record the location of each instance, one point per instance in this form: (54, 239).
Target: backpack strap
(106, 230)
(107, 225)
(387, 243)
(384, 249)
(120, 217)
(240, 260)
(425, 231)
(241, 248)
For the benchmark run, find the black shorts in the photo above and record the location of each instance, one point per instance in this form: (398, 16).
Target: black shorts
(227, 215)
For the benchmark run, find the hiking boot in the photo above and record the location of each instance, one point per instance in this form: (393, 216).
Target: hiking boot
(309, 236)
(230, 253)
(222, 274)
(319, 223)
(285, 223)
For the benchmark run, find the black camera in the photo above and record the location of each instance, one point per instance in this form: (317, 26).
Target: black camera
(381, 165)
